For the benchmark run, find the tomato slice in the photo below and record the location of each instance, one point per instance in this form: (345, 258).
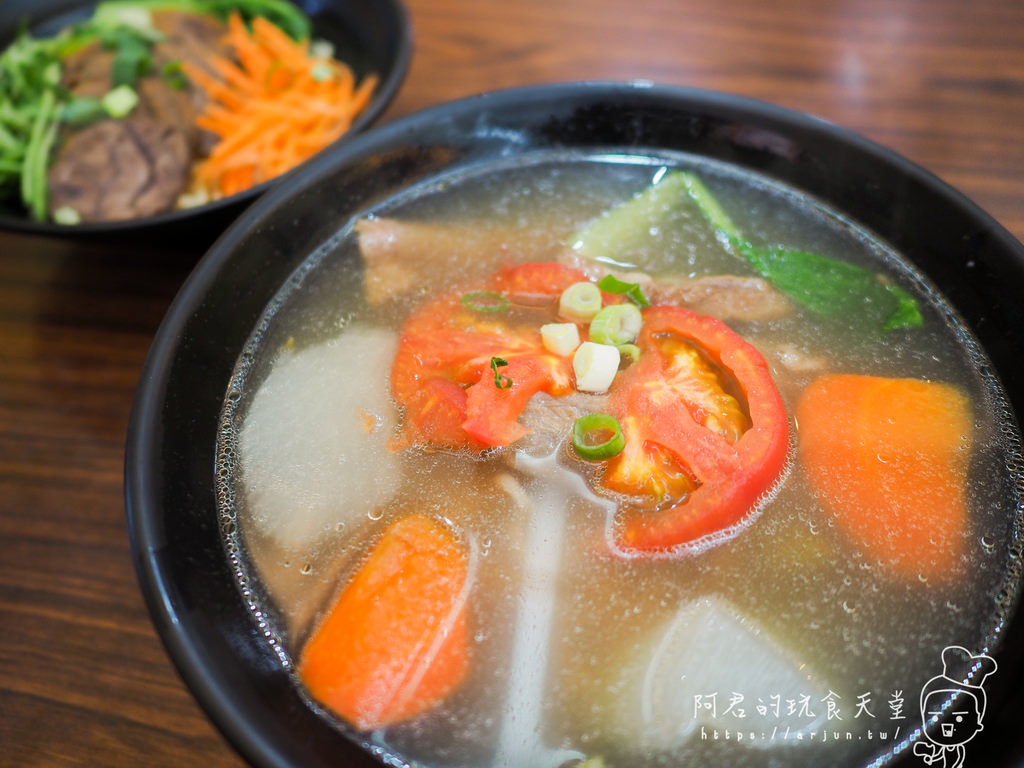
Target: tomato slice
(492, 411)
(536, 281)
(706, 432)
(441, 374)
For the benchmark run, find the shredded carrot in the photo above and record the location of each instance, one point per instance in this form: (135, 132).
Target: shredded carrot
(889, 458)
(272, 107)
(396, 641)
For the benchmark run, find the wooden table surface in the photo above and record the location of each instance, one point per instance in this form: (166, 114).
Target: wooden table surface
(84, 680)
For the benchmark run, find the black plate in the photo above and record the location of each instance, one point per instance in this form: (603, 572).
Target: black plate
(219, 648)
(369, 35)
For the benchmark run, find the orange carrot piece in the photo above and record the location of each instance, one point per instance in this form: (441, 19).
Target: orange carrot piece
(274, 40)
(889, 458)
(396, 641)
(254, 59)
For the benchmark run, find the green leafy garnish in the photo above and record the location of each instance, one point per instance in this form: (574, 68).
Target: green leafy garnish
(824, 286)
(83, 111)
(133, 55)
(500, 381)
(281, 13)
(174, 76)
(30, 108)
(827, 287)
(633, 291)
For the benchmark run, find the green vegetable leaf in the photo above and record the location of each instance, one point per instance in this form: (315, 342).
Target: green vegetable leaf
(833, 288)
(173, 75)
(824, 286)
(633, 291)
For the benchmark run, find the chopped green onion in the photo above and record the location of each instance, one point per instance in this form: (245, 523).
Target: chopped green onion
(67, 215)
(597, 436)
(616, 324)
(500, 381)
(560, 338)
(632, 351)
(594, 366)
(633, 291)
(120, 101)
(488, 302)
(580, 302)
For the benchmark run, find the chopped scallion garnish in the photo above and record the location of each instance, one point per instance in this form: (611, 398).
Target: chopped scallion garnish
(597, 436)
(616, 324)
(500, 380)
(485, 301)
(632, 351)
(120, 101)
(580, 302)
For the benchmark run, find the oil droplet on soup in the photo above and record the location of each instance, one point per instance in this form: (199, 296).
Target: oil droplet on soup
(802, 617)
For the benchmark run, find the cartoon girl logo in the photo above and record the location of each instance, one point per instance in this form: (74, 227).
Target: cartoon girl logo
(952, 707)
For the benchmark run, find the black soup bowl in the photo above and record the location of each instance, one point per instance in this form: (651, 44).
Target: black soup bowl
(225, 650)
(370, 36)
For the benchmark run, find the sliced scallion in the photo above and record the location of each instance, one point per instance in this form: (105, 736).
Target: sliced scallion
(616, 324)
(580, 302)
(487, 302)
(560, 338)
(632, 351)
(633, 291)
(594, 366)
(120, 101)
(597, 436)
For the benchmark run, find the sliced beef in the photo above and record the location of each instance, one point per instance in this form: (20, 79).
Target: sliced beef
(138, 166)
(727, 297)
(120, 169)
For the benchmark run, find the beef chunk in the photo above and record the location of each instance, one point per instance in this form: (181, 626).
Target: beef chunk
(139, 166)
(121, 169)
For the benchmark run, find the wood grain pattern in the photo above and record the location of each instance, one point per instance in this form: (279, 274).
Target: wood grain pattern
(83, 677)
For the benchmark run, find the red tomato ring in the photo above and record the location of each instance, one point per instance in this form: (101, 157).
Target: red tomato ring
(731, 478)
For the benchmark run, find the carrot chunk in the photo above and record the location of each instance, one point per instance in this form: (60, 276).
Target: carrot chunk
(396, 641)
(889, 458)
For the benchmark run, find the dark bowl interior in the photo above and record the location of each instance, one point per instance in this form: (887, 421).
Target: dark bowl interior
(369, 35)
(219, 648)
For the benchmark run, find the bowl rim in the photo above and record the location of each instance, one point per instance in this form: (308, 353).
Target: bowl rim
(181, 634)
(387, 90)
